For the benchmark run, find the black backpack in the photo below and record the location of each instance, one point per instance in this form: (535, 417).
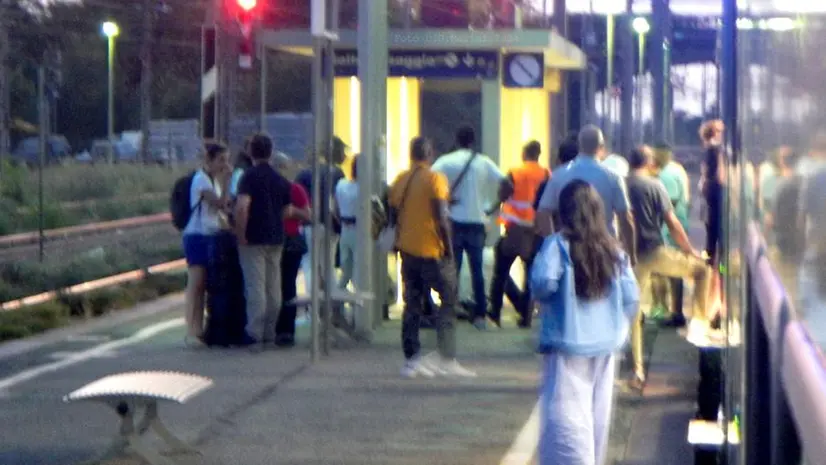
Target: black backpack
(179, 205)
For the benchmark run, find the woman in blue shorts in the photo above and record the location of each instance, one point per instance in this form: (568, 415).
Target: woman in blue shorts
(208, 199)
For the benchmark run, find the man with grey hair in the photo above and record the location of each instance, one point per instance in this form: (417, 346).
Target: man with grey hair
(611, 187)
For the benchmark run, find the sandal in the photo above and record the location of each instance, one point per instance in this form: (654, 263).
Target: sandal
(637, 383)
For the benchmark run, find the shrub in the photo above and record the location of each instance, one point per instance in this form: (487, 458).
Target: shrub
(117, 188)
(37, 319)
(21, 279)
(103, 300)
(166, 283)
(15, 178)
(79, 182)
(27, 322)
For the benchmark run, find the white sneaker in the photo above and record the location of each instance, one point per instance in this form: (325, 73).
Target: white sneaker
(435, 363)
(452, 368)
(414, 367)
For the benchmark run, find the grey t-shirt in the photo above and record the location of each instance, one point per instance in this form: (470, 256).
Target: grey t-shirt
(650, 203)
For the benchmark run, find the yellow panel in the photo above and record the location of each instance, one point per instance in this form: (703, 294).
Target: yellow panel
(552, 80)
(346, 115)
(525, 116)
(403, 106)
(346, 111)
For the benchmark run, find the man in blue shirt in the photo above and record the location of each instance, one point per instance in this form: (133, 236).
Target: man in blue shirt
(609, 185)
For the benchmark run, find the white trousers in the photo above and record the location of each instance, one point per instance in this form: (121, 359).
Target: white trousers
(305, 260)
(575, 409)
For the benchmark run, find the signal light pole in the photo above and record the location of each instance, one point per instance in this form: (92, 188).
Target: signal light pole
(246, 18)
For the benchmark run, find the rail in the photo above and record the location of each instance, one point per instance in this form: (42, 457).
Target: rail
(785, 372)
(27, 238)
(82, 288)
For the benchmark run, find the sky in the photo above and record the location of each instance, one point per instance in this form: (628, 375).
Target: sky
(693, 7)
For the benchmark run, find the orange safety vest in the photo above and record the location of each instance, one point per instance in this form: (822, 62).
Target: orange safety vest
(518, 209)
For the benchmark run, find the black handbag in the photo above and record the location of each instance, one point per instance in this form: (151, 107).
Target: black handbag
(295, 245)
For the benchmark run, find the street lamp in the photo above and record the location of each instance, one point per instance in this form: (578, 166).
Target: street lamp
(641, 27)
(111, 30)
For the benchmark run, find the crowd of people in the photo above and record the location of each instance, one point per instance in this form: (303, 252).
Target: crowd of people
(592, 234)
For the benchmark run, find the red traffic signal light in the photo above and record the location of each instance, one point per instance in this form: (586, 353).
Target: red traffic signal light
(247, 5)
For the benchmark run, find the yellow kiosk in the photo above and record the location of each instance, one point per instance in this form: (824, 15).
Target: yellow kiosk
(515, 71)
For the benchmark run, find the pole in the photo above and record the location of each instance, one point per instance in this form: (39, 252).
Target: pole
(641, 80)
(608, 93)
(372, 58)
(110, 108)
(560, 99)
(43, 113)
(408, 17)
(262, 124)
(329, 234)
(318, 10)
(5, 92)
(627, 82)
(660, 67)
(146, 77)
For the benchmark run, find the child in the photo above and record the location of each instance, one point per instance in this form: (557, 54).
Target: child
(588, 297)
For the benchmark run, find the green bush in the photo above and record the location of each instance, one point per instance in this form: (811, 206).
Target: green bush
(116, 191)
(30, 321)
(13, 185)
(21, 279)
(166, 283)
(60, 312)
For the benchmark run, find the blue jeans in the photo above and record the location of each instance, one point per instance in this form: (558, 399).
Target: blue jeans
(470, 238)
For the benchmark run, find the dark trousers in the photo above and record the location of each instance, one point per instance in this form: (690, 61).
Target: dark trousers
(420, 275)
(470, 238)
(709, 398)
(503, 285)
(715, 233)
(677, 297)
(225, 294)
(290, 264)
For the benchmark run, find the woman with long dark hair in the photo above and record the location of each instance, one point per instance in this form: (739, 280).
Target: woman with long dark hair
(588, 297)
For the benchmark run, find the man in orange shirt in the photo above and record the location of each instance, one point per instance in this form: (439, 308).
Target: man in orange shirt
(419, 202)
(519, 190)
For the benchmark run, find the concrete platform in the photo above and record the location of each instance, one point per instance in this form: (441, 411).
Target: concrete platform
(351, 408)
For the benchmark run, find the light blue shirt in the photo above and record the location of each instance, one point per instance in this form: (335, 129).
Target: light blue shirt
(611, 187)
(570, 324)
(617, 164)
(478, 188)
(234, 181)
(672, 178)
(347, 197)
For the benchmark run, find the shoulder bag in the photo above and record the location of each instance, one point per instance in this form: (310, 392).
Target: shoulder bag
(387, 237)
(453, 200)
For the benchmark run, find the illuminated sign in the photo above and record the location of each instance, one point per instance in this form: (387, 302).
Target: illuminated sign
(455, 64)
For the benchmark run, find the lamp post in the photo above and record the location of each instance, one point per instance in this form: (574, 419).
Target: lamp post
(111, 30)
(641, 28)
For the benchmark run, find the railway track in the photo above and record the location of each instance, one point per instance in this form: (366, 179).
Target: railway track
(64, 242)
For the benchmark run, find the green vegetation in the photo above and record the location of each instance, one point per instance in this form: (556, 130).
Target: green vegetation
(23, 279)
(30, 321)
(78, 194)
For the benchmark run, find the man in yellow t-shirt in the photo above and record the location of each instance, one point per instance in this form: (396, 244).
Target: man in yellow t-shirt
(419, 202)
